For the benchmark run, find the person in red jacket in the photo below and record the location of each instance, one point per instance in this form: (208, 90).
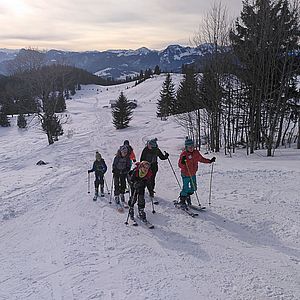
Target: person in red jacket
(188, 164)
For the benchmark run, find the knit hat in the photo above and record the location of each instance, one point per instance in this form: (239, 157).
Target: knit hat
(188, 142)
(126, 142)
(153, 143)
(98, 155)
(124, 149)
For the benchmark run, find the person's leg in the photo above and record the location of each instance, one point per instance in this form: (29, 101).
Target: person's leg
(151, 184)
(141, 204)
(131, 202)
(96, 183)
(117, 187)
(185, 189)
(101, 181)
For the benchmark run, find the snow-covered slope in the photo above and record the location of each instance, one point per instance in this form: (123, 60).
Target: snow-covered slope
(56, 243)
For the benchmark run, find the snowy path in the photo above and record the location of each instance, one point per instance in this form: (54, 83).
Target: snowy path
(56, 243)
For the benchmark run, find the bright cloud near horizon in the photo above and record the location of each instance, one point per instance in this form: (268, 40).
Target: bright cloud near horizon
(82, 25)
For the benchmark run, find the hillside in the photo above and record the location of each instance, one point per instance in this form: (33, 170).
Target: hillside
(56, 243)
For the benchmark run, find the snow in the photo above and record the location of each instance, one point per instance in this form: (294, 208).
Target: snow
(56, 243)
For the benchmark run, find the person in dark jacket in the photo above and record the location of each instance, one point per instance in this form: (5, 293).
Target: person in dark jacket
(120, 168)
(99, 167)
(150, 154)
(138, 179)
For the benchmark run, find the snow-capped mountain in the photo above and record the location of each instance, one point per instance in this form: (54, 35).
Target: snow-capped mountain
(121, 62)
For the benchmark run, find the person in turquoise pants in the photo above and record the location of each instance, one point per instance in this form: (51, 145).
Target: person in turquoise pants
(188, 164)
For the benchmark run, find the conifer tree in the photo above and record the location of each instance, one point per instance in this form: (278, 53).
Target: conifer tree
(188, 93)
(4, 122)
(157, 70)
(122, 112)
(21, 122)
(266, 42)
(166, 103)
(52, 126)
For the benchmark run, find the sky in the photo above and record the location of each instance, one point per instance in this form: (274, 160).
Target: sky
(83, 25)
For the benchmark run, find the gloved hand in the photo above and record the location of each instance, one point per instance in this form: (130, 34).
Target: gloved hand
(183, 160)
(134, 160)
(90, 171)
(166, 154)
(213, 160)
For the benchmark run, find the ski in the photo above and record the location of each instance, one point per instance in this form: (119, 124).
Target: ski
(198, 208)
(186, 210)
(146, 223)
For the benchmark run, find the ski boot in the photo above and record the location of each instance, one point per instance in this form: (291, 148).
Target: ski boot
(188, 200)
(96, 195)
(182, 202)
(142, 215)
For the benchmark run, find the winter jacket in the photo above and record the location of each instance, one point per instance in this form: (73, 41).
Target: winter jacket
(99, 167)
(121, 165)
(192, 159)
(151, 155)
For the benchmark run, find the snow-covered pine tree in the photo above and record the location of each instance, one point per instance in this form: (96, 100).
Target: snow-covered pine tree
(122, 112)
(166, 103)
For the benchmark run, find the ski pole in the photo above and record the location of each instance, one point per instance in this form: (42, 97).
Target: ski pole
(174, 172)
(130, 206)
(153, 211)
(112, 181)
(193, 183)
(210, 184)
(89, 183)
(106, 185)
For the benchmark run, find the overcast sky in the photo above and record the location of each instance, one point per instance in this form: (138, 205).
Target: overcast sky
(82, 25)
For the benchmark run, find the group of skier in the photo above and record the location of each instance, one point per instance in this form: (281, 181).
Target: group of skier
(140, 175)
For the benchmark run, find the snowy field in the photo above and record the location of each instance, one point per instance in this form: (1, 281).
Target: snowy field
(56, 243)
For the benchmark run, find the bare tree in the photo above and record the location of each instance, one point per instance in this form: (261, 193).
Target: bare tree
(214, 32)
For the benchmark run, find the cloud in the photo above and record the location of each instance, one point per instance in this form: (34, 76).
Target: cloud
(101, 24)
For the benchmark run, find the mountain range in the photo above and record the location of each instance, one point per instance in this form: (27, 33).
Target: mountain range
(118, 64)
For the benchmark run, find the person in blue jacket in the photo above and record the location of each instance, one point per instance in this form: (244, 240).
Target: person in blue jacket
(99, 167)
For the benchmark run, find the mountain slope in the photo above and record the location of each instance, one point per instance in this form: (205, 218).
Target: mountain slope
(56, 243)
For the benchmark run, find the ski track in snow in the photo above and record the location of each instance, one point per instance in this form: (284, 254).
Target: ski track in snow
(56, 243)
